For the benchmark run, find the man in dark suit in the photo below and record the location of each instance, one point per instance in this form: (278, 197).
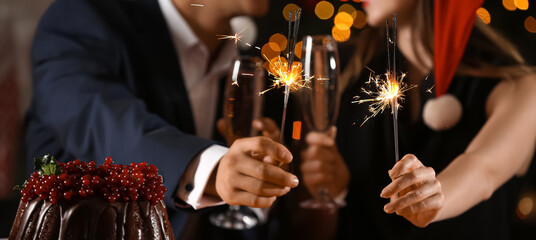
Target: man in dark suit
(129, 79)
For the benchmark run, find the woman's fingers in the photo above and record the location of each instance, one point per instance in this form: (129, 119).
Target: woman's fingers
(417, 176)
(406, 164)
(314, 152)
(419, 194)
(434, 202)
(316, 166)
(321, 138)
(268, 128)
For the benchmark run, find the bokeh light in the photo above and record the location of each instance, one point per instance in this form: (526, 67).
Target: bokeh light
(291, 7)
(343, 21)
(483, 14)
(324, 10)
(298, 49)
(524, 207)
(530, 24)
(360, 20)
(340, 35)
(522, 4)
(268, 52)
(278, 42)
(509, 5)
(348, 9)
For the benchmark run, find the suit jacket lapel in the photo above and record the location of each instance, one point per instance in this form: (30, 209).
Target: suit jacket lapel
(164, 89)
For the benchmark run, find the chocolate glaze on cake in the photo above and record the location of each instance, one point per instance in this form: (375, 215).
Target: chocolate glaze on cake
(91, 218)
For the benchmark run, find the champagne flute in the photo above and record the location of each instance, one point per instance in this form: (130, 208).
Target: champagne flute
(320, 101)
(242, 105)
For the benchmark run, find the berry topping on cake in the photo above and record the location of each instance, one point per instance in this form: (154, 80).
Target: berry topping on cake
(54, 182)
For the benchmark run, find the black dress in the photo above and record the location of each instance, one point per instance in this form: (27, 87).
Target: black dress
(369, 153)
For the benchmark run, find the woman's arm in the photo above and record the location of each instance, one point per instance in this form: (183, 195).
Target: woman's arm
(503, 148)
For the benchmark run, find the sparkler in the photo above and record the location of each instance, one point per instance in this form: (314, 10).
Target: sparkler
(389, 88)
(290, 77)
(286, 73)
(237, 37)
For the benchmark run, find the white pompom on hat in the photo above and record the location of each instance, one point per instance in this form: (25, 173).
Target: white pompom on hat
(442, 113)
(453, 23)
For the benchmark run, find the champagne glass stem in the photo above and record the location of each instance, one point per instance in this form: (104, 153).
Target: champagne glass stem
(284, 118)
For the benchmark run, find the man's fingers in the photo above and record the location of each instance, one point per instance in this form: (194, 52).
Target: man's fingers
(406, 164)
(267, 172)
(251, 200)
(411, 198)
(259, 147)
(419, 175)
(259, 187)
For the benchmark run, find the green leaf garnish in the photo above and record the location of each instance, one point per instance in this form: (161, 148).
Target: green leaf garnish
(47, 165)
(20, 187)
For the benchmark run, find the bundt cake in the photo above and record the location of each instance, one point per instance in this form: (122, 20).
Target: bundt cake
(78, 200)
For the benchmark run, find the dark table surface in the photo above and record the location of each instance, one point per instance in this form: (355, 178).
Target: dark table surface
(8, 210)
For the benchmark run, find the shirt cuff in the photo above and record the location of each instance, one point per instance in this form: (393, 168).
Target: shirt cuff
(194, 180)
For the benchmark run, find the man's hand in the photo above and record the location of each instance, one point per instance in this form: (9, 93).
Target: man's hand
(246, 177)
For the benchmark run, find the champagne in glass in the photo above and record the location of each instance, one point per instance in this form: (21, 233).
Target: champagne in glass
(320, 100)
(242, 105)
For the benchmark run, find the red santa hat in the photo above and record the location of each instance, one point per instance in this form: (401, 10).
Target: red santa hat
(453, 23)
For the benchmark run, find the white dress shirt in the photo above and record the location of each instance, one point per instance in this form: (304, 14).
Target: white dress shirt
(201, 78)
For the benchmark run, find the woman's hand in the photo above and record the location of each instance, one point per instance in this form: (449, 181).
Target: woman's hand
(322, 165)
(266, 126)
(414, 191)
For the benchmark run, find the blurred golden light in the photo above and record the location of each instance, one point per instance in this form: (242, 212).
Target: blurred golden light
(291, 7)
(268, 52)
(278, 42)
(324, 10)
(522, 4)
(509, 5)
(298, 49)
(340, 35)
(524, 207)
(530, 24)
(296, 130)
(360, 19)
(483, 14)
(347, 8)
(357, 1)
(343, 21)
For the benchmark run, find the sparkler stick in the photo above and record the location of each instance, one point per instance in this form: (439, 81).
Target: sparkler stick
(291, 43)
(395, 102)
(387, 92)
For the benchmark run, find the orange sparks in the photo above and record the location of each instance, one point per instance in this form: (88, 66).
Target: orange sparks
(237, 37)
(388, 92)
(278, 68)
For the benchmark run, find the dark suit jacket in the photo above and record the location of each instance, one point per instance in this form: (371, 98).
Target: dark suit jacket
(107, 82)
